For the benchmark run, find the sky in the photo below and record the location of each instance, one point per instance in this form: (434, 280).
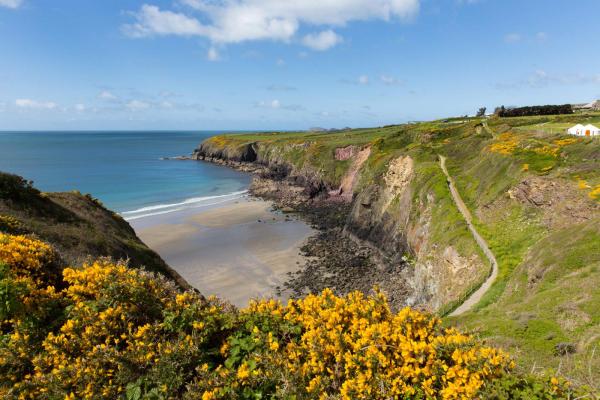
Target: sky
(287, 64)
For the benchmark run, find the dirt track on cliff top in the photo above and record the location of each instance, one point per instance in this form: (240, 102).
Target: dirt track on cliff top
(478, 294)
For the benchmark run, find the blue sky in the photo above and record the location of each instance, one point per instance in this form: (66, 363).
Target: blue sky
(278, 64)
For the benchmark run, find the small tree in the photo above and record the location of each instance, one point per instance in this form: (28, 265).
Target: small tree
(481, 112)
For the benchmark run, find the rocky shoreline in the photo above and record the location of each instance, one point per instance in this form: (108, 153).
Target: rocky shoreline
(336, 259)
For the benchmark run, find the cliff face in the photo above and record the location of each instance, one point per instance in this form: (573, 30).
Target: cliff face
(520, 185)
(392, 212)
(396, 216)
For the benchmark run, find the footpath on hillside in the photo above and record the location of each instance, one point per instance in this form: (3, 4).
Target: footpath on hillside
(478, 294)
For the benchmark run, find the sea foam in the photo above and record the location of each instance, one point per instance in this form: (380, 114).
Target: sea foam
(193, 202)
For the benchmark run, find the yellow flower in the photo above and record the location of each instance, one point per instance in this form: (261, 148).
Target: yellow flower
(208, 395)
(243, 371)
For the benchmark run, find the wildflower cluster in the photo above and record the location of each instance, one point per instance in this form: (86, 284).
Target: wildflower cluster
(593, 191)
(506, 144)
(594, 194)
(10, 225)
(509, 143)
(109, 329)
(105, 331)
(353, 347)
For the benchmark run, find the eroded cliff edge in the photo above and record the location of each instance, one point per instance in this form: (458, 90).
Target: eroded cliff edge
(388, 211)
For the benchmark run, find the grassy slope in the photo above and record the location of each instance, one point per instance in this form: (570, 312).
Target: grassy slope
(78, 226)
(530, 320)
(546, 293)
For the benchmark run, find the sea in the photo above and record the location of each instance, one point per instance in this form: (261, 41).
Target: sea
(131, 173)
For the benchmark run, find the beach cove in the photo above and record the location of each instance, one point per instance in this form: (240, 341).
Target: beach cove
(196, 215)
(237, 250)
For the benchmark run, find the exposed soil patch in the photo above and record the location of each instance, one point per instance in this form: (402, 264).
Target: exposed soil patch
(560, 201)
(349, 180)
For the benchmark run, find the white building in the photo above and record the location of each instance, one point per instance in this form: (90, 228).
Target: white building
(591, 130)
(587, 130)
(576, 130)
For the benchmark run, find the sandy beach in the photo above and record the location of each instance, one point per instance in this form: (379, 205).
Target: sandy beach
(238, 250)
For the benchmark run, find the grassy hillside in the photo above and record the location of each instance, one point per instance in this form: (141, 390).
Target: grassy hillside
(75, 224)
(535, 195)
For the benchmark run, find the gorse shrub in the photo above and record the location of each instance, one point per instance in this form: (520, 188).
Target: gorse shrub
(11, 225)
(105, 331)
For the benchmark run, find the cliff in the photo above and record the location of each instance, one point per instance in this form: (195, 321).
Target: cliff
(533, 194)
(396, 194)
(78, 226)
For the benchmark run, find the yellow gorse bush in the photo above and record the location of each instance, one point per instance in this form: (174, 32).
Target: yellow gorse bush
(353, 347)
(23, 254)
(506, 144)
(509, 143)
(107, 331)
(594, 194)
(10, 224)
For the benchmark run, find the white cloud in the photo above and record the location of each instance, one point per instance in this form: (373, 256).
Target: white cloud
(389, 80)
(361, 80)
(269, 104)
(235, 21)
(106, 95)
(213, 54)
(80, 107)
(150, 20)
(11, 3)
(280, 62)
(33, 104)
(277, 105)
(541, 78)
(281, 88)
(137, 105)
(322, 41)
(541, 36)
(512, 38)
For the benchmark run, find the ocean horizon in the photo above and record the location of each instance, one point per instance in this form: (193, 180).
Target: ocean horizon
(128, 171)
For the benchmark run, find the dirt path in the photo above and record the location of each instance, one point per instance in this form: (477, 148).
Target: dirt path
(478, 294)
(489, 130)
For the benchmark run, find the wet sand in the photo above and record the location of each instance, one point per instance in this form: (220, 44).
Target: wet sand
(238, 250)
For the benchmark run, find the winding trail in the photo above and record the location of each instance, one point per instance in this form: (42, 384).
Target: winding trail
(488, 129)
(478, 294)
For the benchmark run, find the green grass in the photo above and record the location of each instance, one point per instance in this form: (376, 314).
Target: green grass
(550, 298)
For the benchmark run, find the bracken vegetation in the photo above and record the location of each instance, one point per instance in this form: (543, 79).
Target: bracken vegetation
(107, 331)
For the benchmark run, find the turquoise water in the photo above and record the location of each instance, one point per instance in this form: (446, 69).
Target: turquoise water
(122, 169)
